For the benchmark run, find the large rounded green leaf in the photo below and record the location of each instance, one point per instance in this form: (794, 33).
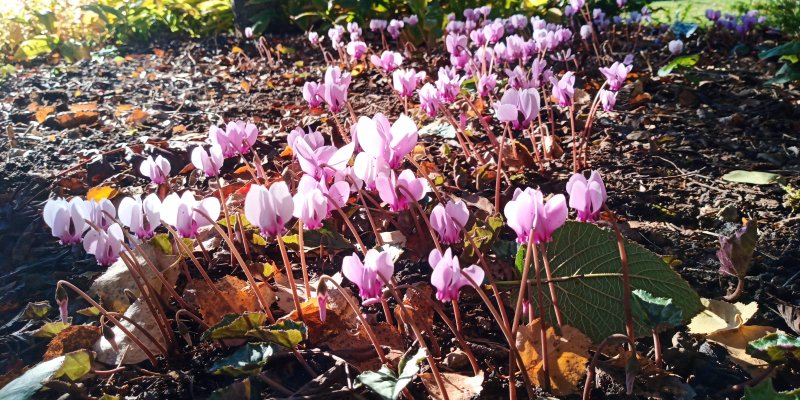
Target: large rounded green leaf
(587, 273)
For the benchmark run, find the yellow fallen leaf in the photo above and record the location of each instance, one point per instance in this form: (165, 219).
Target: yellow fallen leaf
(459, 387)
(721, 316)
(287, 152)
(237, 49)
(98, 193)
(43, 112)
(568, 356)
(735, 340)
(357, 70)
(245, 86)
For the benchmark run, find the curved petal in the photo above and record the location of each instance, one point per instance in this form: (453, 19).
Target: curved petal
(211, 207)
(353, 269)
(282, 201)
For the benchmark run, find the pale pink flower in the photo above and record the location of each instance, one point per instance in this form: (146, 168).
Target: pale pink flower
(399, 190)
(104, 245)
(405, 81)
(587, 196)
(269, 209)
(141, 216)
(447, 220)
(389, 143)
(388, 61)
(185, 213)
(66, 219)
(447, 275)
(369, 276)
(157, 170)
(209, 162)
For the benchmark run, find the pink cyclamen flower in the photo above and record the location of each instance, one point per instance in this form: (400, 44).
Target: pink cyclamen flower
(235, 139)
(616, 74)
(369, 276)
(141, 216)
(312, 203)
(334, 88)
(394, 28)
(411, 20)
(356, 49)
(248, 32)
(389, 143)
(185, 213)
(314, 38)
(448, 85)
(323, 162)
(312, 93)
(608, 99)
(675, 47)
(519, 107)
(587, 196)
(455, 43)
(66, 219)
(104, 245)
(586, 32)
(577, 4)
(388, 61)
(157, 170)
(447, 275)
(336, 34)
(486, 84)
(209, 162)
(399, 190)
(101, 213)
(447, 220)
(621, 3)
(354, 30)
(367, 169)
(564, 89)
(313, 139)
(269, 209)
(527, 212)
(376, 25)
(429, 99)
(405, 81)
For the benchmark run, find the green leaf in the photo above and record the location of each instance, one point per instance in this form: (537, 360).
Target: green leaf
(790, 48)
(775, 347)
(73, 365)
(332, 240)
(752, 177)
(31, 48)
(388, 385)
(587, 274)
(37, 310)
(286, 333)
(682, 62)
(659, 312)
(247, 360)
(519, 259)
(484, 234)
(765, 391)
(235, 326)
(50, 329)
(787, 73)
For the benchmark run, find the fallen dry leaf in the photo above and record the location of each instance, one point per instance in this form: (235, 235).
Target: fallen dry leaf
(73, 338)
(137, 116)
(74, 119)
(87, 106)
(459, 387)
(720, 316)
(418, 301)
(98, 193)
(239, 294)
(568, 356)
(735, 340)
(43, 112)
(790, 314)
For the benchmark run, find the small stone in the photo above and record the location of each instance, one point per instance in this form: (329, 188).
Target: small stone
(637, 136)
(456, 360)
(728, 213)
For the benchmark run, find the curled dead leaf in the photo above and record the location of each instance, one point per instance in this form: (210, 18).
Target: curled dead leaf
(720, 316)
(72, 338)
(238, 293)
(567, 355)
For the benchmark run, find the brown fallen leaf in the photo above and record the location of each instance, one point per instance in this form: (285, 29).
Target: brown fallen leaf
(790, 314)
(73, 338)
(459, 387)
(75, 119)
(87, 106)
(567, 356)
(137, 116)
(239, 295)
(735, 340)
(418, 301)
(43, 112)
(721, 316)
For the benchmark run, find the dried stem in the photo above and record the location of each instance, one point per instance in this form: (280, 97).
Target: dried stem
(457, 333)
(289, 275)
(590, 369)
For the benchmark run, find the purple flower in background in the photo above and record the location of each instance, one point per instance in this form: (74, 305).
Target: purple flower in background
(455, 43)
(376, 25)
(99, 212)
(608, 99)
(355, 31)
(405, 81)
(471, 15)
(356, 49)
(394, 28)
(248, 32)
(314, 38)
(141, 216)
(448, 85)
(736, 251)
(429, 99)
(184, 213)
(269, 209)
(485, 11)
(493, 32)
(311, 94)
(334, 88)
(336, 34)
(518, 21)
(235, 139)
(564, 89)
(391, 143)
(210, 162)
(400, 190)
(616, 74)
(519, 107)
(388, 61)
(586, 32)
(412, 20)
(569, 11)
(369, 276)
(628, 59)
(577, 4)
(486, 84)
(675, 47)
(621, 3)
(587, 196)
(528, 212)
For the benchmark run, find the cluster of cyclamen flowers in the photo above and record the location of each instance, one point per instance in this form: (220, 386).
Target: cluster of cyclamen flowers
(94, 222)
(741, 25)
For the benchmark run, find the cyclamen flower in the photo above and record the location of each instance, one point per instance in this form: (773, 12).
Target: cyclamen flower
(389, 143)
(736, 251)
(577, 4)
(237, 138)
(336, 34)
(66, 219)
(587, 196)
(369, 276)
(185, 213)
(141, 216)
(411, 20)
(447, 220)
(311, 203)
(356, 49)
(104, 245)
(455, 43)
(616, 74)
(388, 61)
(269, 209)
(713, 15)
(675, 47)
(157, 170)
(405, 81)
(447, 275)
(311, 94)
(399, 190)
(248, 32)
(527, 212)
(376, 25)
(314, 38)
(394, 28)
(429, 99)
(486, 84)
(209, 162)
(448, 86)
(519, 107)
(608, 99)
(586, 32)
(334, 88)
(564, 89)
(354, 30)
(484, 10)
(313, 139)
(367, 169)
(323, 162)
(100, 213)
(493, 32)
(621, 3)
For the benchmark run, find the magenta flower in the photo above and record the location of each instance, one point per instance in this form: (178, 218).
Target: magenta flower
(141, 216)
(157, 170)
(237, 138)
(311, 203)
(269, 209)
(99, 212)
(104, 245)
(184, 213)
(313, 139)
(616, 74)
(405, 81)
(448, 86)
(493, 32)
(447, 277)
(334, 88)
(587, 196)
(455, 43)
(209, 162)
(486, 84)
(389, 143)
(369, 276)
(399, 190)
(388, 61)
(447, 220)
(429, 99)
(519, 107)
(312, 94)
(367, 169)
(527, 212)
(66, 219)
(608, 99)
(323, 162)
(564, 89)
(356, 49)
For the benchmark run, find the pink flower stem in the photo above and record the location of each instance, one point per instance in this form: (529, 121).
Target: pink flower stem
(302, 251)
(457, 316)
(245, 245)
(292, 283)
(535, 149)
(462, 137)
(349, 224)
(424, 217)
(543, 324)
(499, 170)
(551, 285)
(574, 143)
(626, 281)
(657, 347)
(228, 221)
(259, 296)
(353, 118)
(486, 128)
(342, 132)
(590, 121)
(144, 332)
(146, 291)
(456, 329)
(113, 320)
